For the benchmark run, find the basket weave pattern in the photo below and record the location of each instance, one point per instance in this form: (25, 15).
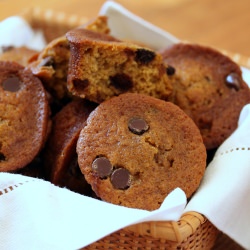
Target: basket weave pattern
(202, 238)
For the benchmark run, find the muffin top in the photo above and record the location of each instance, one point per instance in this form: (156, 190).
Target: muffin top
(135, 149)
(24, 116)
(209, 88)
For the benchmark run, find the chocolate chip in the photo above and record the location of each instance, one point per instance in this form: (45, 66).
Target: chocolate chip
(233, 81)
(102, 167)
(120, 178)
(170, 70)
(12, 84)
(144, 56)
(138, 126)
(80, 84)
(122, 82)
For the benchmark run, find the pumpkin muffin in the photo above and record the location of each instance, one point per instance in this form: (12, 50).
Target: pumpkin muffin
(101, 67)
(136, 149)
(209, 88)
(24, 116)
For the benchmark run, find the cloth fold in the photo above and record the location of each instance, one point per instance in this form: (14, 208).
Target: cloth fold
(35, 214)
(224, 194)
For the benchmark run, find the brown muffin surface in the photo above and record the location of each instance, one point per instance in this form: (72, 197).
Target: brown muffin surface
(24, 116)
(209, 88)
(21, 55)
(60, 152)
(135, 149)
(101, 67)
(51, 66)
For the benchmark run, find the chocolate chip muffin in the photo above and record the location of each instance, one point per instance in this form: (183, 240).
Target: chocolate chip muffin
(51, 66)
(209, 88)
(24, 116)
(101, 67)
(60, 156)
(135, 149)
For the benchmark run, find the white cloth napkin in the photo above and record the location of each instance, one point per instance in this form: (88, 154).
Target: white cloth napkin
(34, 214)
(15, 31)
(224, 194)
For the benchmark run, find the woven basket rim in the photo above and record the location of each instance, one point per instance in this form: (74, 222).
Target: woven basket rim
(50, 16)
(176, 231)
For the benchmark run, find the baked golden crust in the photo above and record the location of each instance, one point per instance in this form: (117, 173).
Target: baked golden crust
(24, 116)
(51, 66)
(209, 88)
(21, 55)
(164, 151)
(101, 67)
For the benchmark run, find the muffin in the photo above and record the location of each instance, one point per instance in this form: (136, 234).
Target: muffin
(60, 156)
(209, 88)
(101, 67)
(51, 66)
(21, 55)
(136, 149)
(24, 115)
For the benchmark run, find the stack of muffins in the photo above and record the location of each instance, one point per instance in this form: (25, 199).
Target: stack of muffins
(116, 120)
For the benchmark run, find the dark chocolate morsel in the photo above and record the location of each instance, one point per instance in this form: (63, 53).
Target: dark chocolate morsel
(11, 84)
(122, 82)
(80, 84)
(233, 81)
(170, 70)
(102, 167)
(120, 178)
(144, 56)
(138, 126)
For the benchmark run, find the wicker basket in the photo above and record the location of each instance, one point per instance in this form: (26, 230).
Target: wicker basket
(193, 230)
